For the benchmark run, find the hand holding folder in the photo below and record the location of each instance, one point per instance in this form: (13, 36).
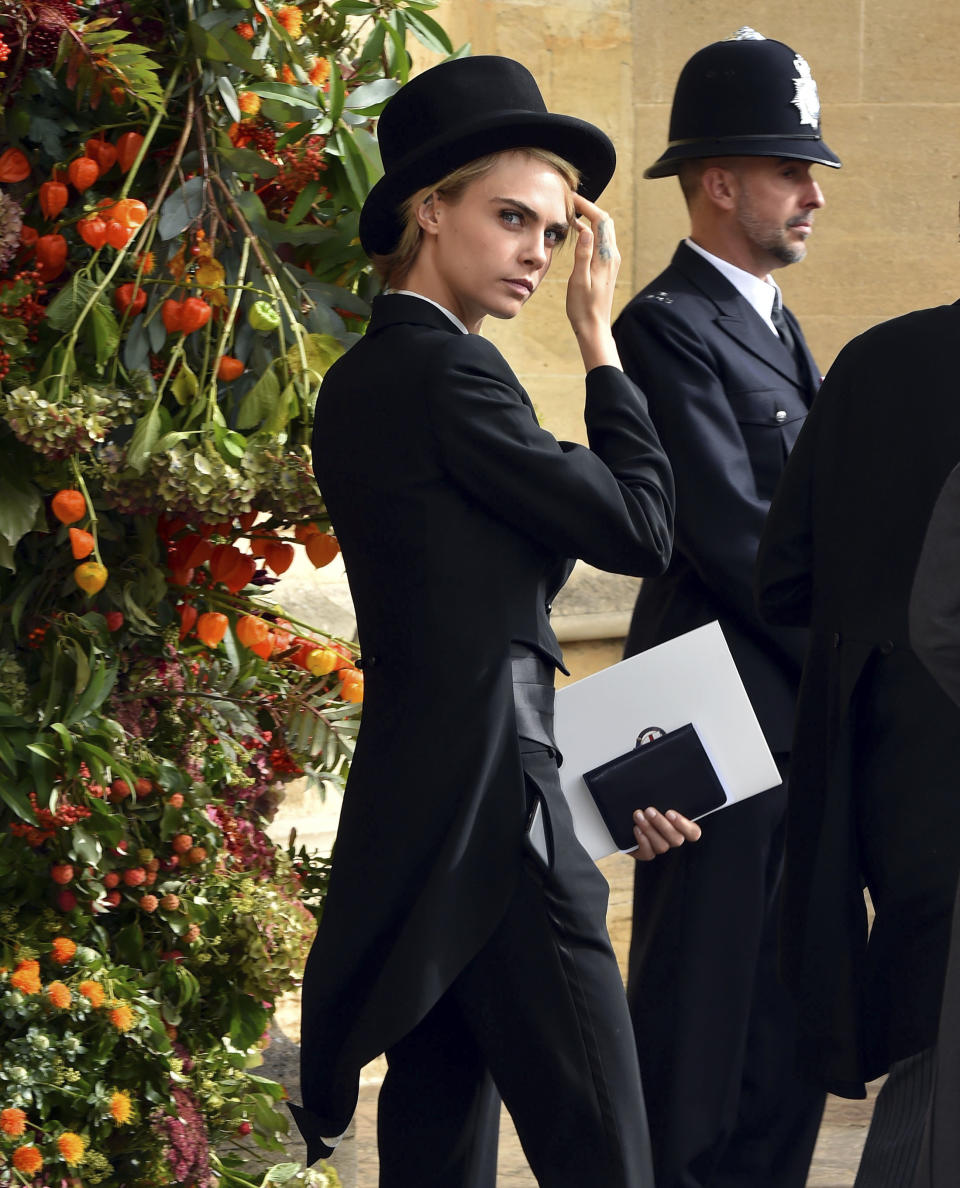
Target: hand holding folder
(690, 689)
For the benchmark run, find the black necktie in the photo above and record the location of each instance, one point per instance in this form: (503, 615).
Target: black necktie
(783, 329)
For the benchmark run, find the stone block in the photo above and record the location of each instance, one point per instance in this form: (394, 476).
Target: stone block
(910, 52)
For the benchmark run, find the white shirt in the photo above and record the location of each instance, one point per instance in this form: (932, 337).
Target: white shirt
(763, 293)
(453, 317)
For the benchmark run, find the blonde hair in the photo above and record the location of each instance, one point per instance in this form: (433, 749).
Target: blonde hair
(392, 267)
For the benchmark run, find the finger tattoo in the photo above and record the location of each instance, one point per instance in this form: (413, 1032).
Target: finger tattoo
(603, 242)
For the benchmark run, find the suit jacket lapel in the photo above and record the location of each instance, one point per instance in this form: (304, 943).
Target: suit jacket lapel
(737, 317)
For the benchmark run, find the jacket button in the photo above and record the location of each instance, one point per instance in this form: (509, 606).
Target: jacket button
(886, 647)
(781, 415)
(549, 606)
(367, 661)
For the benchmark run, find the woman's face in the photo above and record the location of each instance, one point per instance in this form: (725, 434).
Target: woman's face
(487, 252)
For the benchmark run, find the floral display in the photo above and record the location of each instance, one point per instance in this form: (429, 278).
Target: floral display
(180, 186)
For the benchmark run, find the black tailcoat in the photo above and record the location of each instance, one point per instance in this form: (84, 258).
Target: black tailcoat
(877, 744)
(457, 515)
(728, 399)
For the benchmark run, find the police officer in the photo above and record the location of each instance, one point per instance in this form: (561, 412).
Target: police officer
(729, 380)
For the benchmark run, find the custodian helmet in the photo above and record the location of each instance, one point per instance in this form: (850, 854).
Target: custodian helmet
(744, 97)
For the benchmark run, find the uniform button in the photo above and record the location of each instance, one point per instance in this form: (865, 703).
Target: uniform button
(886, 647)
(367, 661)
(549, 606)
(781, 415)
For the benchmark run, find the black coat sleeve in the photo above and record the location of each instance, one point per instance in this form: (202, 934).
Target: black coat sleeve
(935, 597)
(720, 515)
(611, 504)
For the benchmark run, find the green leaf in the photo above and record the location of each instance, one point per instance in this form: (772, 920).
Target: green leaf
(86, 846)
(290, 95)
(146, 434)
(102, 328)
(181, 208)
(19, 502)
(247, 161)
(17, 801)
(185, 385)
(303, 203)
(428, 32)
(279, 415)
(63, 312)
(259, 400)
(372, 95)
(228, 93)
(337, 92)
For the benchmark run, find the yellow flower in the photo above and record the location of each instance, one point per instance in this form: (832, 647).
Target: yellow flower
(59, 995)
(292, 19)
(27, 1160)
(63, 949)
(121, 1107)
(93, 992)
(248, 102)
(71, 1147)
(13, 1122)
(121, 1017)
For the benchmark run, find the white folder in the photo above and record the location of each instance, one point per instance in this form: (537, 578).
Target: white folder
(688, 679)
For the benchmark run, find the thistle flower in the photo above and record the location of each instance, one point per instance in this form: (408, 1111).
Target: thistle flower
(26, 977)
(63, 950)
(121, 1017)
(11, 221)
(292, 19)
(121, 1107)
(92, 992)
(248, 102)
(59, 995)
(27, 1160)
(71, 1147)
(13, 1122)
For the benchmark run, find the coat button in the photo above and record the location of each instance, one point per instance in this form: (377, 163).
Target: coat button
(886, 647)
(367, 661)
(549, 606)
(781, 415)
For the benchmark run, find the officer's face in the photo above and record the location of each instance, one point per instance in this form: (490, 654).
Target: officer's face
(775, 204)
(492, 247)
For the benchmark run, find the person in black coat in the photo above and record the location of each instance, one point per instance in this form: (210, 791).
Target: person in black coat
(463, 931)
(934, 619)
(729, 380)
(877, 743)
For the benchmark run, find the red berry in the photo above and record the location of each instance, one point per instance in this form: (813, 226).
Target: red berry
(134, 876)
(114, 898)
(176, 800)
(66, 901)
(111, 879)
(114, 620)
(62, 873)
(244, 1128)
(181, 843)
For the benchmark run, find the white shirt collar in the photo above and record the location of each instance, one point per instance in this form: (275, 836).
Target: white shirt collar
(453, 317)
(762, 292)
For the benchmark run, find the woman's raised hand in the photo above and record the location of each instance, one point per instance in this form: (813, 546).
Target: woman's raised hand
(590, 289)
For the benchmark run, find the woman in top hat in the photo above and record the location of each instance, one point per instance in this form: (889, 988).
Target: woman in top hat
(463, 932)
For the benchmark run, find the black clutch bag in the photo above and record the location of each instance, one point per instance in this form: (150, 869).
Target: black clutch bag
(669, 772)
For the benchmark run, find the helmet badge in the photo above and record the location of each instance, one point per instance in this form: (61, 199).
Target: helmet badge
(806, 99)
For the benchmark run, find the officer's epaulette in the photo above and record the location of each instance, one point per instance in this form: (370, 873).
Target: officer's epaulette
(660, 295)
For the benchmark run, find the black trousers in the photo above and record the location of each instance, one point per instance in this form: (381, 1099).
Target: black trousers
(715, 1028)
(537, 1018)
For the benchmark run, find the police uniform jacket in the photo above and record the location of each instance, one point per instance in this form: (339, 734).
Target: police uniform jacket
(457, 515)
(876, 753)
(728, 400)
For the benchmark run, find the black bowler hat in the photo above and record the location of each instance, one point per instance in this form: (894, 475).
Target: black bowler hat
(744, 97)
(461, 110)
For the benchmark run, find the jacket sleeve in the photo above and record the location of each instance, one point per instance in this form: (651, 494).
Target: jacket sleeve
(720, 515)
(935, 599)
(611, 504)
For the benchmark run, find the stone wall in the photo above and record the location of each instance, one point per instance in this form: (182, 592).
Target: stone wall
(890, 88)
